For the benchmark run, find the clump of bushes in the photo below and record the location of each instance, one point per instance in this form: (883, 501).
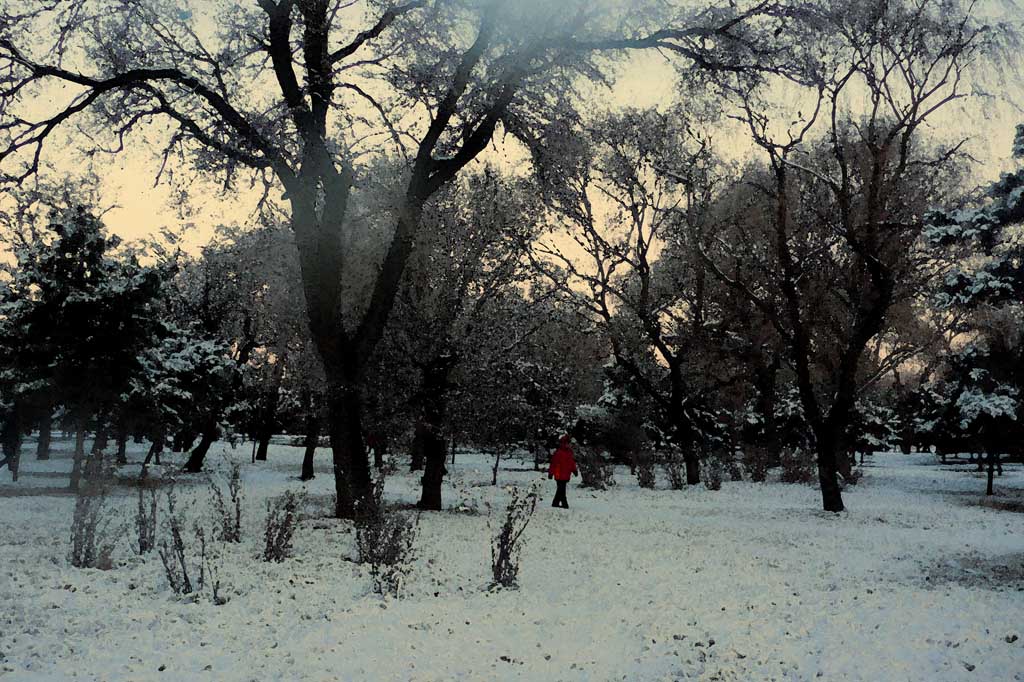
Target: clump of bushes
(146, 518)
(282, 518)
(855, 475)
(755, 463)
(179, 568)
(92, 537)
(172, 550)
(506, 545)
(798, 466)
(712, 472)
(732, 466)
(595, 472)
(227, 506)
(385, 541)
(643, 466)
(675, 471)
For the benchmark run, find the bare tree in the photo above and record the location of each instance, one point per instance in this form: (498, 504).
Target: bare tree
(625, 189)
(842, 216)
(431, 81)
(469, 257)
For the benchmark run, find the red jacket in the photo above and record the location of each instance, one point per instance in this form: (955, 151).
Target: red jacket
(563, 465)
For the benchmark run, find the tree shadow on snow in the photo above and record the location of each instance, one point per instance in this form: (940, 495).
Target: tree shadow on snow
(16, 490)
(999, 573)
(1003, 500)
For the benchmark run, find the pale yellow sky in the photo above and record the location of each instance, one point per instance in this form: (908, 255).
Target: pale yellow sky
(646, 80)
(140, 208)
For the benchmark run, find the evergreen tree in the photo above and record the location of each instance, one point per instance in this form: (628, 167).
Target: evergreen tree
(987, 285)
(76, 320)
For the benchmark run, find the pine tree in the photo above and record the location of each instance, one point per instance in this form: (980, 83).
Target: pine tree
(76, 319)
(987, 284)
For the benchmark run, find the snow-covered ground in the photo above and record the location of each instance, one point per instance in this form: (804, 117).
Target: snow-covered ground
(917, 581)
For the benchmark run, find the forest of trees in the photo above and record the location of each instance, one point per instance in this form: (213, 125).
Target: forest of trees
(841, 287)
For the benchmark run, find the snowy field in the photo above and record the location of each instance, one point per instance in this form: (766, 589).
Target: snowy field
(917, 581)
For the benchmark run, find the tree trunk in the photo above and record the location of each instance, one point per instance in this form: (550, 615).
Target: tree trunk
(11, 436)
(155, 449)
(494, 469)
(434, 473)
(195, 460)
(319, 203)
(79, 457)
(268, 412)
(379, 450)
(828, 435)
(435, 405)
(685, 436)
(99, 442)
(845, 460)
(352, 482)
(43, 446)
(312, 440)
(261, 448)
(990, 487)
(312, 433)
(766, 401)
(122, 444)
(419, 446)
(691, 457)
(828, 476)
(14, 461)
(692, 466)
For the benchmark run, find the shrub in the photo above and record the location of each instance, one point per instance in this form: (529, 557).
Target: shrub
(506, 545)
(798, 466)
(386, 544)
(282, 517)
(92, 538)
(755, 462)
(146, 519)
(594, 471)
(675, 471)
(172, 550)
(385, 540)
(732, 466)
(174, 556)
(712, 471)
(207, 575)
(469, 501)
(644, 468)
(228, 510)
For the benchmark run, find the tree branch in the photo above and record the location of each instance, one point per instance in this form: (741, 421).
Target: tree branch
(386, 20)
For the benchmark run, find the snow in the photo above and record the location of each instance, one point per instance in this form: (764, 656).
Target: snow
(918, 581)
(974, 402)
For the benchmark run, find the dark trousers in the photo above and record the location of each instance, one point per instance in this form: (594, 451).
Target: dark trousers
(560, 500)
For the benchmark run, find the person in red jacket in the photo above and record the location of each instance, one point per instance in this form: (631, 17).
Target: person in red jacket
(563, 467)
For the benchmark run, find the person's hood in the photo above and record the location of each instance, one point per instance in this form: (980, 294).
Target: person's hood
(564, 441)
